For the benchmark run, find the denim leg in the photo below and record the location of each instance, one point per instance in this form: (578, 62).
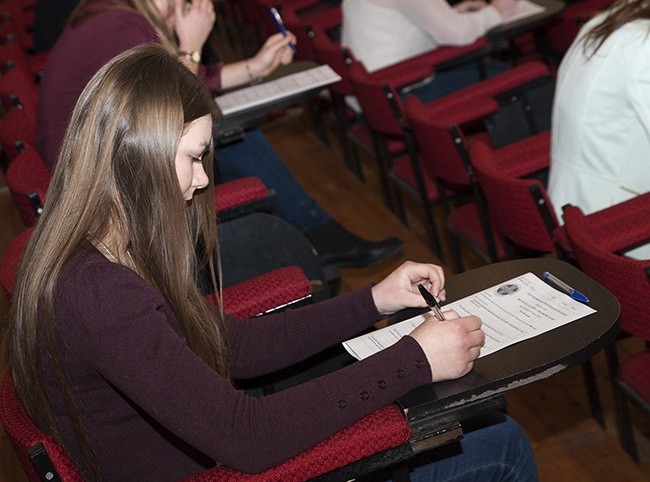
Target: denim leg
(255, 156)
(496, 452)
(451, 80)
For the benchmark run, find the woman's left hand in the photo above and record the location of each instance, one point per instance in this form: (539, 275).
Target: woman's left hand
(275, 51)
(399, 289)
(193, 23)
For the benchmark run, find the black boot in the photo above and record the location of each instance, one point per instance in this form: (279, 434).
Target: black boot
(338, 246)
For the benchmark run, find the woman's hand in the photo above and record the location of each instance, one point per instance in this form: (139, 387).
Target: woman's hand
(451, 346)
(274, 52)
(507, 8)
(470, 6)
(399, 289)
(193, 23)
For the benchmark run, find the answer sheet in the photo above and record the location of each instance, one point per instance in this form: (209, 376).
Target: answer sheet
(512, 311)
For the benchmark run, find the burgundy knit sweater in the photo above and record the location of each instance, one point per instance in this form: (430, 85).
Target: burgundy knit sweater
(78, 54)
(155, 411)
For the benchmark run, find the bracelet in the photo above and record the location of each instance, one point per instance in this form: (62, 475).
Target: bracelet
(194, 56)
(252, 79)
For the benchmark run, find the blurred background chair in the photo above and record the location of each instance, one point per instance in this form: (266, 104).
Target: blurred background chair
(598, 241)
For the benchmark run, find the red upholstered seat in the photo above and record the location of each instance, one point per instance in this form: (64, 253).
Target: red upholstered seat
(18, 87)
(238, 192)
(267, 292)
(17, 128)
(10, 260)
(24, 436)
(597, 241)
(524, 220)
(27, 174)
(379, 431)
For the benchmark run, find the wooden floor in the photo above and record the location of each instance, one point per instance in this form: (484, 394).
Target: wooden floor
(569, 445)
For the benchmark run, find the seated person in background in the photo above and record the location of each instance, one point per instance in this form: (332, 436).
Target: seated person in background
(600, 144)
(100, 29)
(116, 354)
(380, 33)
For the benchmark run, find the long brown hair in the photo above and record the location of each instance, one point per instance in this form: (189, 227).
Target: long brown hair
(87, 8)
(116, 182)
(619, 14)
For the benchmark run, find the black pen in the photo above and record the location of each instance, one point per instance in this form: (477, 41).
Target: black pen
(431, 302)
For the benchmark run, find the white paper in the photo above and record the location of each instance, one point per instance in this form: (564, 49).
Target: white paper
(266, 92)
(511, 312)
(525, 8)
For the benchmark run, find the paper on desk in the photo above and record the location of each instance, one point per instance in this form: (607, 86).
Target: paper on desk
(512, 311)
(525, 8)
(261, 94)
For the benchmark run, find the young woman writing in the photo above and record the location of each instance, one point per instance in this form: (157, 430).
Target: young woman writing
(116, 354)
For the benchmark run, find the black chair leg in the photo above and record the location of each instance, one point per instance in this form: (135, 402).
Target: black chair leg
(593, 397)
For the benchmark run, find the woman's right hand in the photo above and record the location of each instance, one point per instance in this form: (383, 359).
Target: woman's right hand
(507, 8)
(451, 346)
(193, 23)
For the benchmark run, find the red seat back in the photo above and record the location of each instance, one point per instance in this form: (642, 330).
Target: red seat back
(625, 277)
(513, 210)
(10, 260)
(24, 435)
(26, 174)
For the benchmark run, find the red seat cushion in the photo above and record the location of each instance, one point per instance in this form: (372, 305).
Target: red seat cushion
(386, 428)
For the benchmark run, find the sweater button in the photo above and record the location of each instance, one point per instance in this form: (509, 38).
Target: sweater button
(419, 363)
(364, 396)
(399, 373)
(381, 384)
(341, 404)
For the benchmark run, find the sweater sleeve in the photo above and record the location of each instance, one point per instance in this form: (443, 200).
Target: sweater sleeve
(447, 26)
(124, 331)
(211, 76)
(265, 344)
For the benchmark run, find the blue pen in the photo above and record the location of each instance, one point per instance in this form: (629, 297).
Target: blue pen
(572, 292)
(280, 24)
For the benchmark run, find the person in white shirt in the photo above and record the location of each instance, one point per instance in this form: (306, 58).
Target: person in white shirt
(600, 145)
(380, 33)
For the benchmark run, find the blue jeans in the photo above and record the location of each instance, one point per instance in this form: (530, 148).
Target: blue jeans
(255, 156)
(499, 451)
(450, 80)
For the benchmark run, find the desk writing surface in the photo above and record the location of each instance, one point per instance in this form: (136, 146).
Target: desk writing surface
(256, 114)
(529, 360)
(508, 30)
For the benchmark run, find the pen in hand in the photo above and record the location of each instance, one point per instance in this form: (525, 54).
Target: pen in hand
(280, 24)
(431, 302)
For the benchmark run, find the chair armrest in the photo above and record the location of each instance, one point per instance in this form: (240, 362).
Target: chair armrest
(500, 83)
(240, 196)
(416, 68)
(265, 293)
(623, 225)
(525, 157)
(446, 112)
(381, 430)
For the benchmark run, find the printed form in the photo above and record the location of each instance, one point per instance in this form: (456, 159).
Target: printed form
(512, 311)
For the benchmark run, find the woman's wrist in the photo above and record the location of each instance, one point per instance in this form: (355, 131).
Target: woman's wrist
(253, 74)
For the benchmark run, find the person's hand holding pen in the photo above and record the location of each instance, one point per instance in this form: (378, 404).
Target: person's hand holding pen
(451, 346)
(399, 289)
(274, 52)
